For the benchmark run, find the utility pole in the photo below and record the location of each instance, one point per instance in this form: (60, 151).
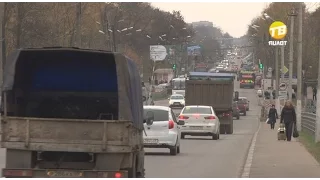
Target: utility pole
(2, 8)
(277, 71)
(78, 21)
(292, 16)
(317, 133)
(299, 67)
(282, 63)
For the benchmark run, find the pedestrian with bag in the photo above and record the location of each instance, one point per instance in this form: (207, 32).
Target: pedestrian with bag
(289, 118)
(273, 116)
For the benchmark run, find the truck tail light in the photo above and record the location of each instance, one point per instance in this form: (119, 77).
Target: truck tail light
(226, 114)
(171, 124)
(183, 117)
(210, 117)
(117, 175)
(17, 173)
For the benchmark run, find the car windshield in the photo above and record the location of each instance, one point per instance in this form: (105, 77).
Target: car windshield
(159, 114)
(197, 110)
(176, 97)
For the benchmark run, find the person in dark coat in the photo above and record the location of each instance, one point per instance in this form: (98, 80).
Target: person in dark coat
(314, 93)
(289, 118)
(273, 116)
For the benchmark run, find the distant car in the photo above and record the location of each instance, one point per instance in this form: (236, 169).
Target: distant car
(176, 100)
(235, 110)
(163, 130)
(259, 93)
(199, 121)
(245, 102)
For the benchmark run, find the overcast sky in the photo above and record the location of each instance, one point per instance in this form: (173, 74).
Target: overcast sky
(233, 18)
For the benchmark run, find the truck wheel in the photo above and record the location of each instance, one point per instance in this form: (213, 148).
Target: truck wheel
(215, 136)
(182, 136)
(222, 129)
(140, 174)
(178, 149)
(174, 150)
(230, 129)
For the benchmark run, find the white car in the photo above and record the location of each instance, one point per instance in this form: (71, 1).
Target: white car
(199, 121)
(176, 100)
(161, 129)
(260, 93)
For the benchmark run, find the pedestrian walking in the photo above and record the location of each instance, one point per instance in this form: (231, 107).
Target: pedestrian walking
(314, 97)
(273, 116)
(288, 117)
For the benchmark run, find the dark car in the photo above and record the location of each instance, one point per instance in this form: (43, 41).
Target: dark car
(243, 105)
(235, 110)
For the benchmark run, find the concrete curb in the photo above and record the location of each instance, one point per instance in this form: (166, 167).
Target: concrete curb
(248, 164)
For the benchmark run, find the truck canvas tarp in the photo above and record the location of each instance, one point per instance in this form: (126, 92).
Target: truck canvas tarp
(44, 63)
(72, 109)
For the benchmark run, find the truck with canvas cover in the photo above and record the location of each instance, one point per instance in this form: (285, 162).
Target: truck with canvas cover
(70, 112)
(212, 89)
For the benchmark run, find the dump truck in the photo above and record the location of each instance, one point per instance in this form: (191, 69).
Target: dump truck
(212, 89)
(70, 112)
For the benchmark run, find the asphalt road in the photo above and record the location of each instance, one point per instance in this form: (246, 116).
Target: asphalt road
(202, 157)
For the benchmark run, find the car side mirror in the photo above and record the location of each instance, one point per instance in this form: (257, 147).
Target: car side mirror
(181, 123)
(168, 98)
(149, 118)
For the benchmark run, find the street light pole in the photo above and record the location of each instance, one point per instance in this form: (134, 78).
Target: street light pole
(299, 66)
(317, 133)
(292, 15)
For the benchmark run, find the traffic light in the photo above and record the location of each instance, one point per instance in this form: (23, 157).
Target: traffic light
(174, 66)
(260, 66)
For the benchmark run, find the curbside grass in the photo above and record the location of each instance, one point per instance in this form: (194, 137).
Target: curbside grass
(309, 143)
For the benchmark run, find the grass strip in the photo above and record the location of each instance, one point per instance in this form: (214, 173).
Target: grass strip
(309, 142)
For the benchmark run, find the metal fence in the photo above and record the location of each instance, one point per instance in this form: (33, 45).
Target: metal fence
(308, 122)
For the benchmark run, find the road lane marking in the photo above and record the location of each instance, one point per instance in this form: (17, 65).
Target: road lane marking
(248, 164)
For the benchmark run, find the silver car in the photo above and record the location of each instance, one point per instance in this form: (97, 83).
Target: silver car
(199, 121)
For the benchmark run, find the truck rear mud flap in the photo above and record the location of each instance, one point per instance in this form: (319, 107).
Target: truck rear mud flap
(60, 173)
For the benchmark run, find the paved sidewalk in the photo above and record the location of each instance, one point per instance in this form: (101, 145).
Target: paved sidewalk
(281, 159)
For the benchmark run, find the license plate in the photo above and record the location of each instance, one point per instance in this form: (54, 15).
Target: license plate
(176, 103)
(150, 141)
(64, 174)
(196, 127)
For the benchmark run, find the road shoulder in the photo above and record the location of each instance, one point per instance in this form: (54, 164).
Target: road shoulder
(281, 159)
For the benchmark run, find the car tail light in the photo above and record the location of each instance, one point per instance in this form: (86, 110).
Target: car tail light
(183, 117)
(210, 117)
(237, 108)
(171, 124)
(17, 173)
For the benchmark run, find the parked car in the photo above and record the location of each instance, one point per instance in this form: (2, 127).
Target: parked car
(163, 131)
(176, 100)
(235, 110)
(199, 121)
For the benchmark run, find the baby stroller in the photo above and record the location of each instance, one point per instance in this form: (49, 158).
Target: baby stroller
(282, 132)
